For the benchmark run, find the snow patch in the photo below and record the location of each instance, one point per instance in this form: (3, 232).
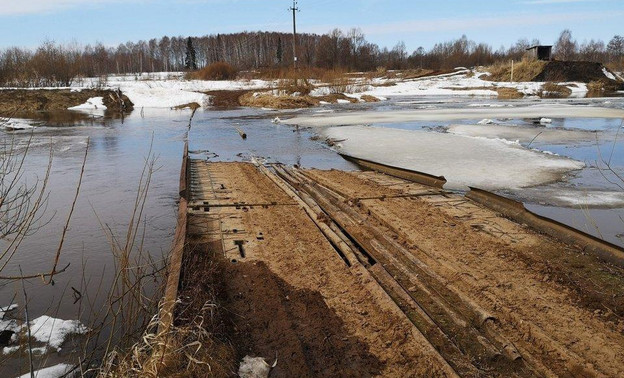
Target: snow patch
(254, 367)
(55, 371)
(5, 309)
(54, 331)
(94, 103)
(15, 124)
(608, 74)
(464, 161)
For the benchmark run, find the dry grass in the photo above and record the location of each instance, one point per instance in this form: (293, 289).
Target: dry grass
(369, 98)
(268, 100)
(509, 94)
(553, 90)
(190, 105)
(215, 71)
(191, 351)
(525, 70)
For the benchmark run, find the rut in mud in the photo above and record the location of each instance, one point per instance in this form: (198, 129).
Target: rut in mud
(337, 273)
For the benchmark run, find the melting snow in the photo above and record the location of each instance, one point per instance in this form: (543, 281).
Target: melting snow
(463, 161)
(94, 103)
(55, 371)
(54, 331)
(12, 124)
(254, 367)
(608, 74)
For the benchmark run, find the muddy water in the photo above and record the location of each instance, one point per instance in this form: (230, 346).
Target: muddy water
(116, 158)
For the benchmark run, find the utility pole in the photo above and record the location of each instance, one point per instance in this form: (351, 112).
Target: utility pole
(294, 10)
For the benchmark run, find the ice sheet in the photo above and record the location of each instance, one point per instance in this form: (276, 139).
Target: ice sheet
(537, 111)
(525, 134)
(463, 161)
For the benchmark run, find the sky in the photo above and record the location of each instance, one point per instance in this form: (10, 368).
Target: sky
(28, 23)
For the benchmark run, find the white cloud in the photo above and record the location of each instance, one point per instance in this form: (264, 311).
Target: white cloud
(465, 24)
(9, 7)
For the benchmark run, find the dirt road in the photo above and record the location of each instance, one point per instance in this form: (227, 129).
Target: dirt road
(361, 274)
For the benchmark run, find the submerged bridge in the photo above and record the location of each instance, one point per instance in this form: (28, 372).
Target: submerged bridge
(383, 272)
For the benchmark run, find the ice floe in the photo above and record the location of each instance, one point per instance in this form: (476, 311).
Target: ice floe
(525, 134)
(463, 161)
(537, 111)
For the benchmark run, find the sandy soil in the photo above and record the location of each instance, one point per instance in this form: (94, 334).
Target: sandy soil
(436, 285)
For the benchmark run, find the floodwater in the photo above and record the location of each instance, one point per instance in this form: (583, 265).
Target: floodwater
(117, 154)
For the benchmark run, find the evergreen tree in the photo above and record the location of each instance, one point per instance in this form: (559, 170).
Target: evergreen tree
(190, 59)
(280, 51)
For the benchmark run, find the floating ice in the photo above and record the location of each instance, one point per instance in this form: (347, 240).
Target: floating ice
(463, 161)
(545, 121)
(485, 121)
(524, 134)
(537, 111)
(276, 120)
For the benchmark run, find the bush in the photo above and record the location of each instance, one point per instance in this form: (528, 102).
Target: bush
(216, 71)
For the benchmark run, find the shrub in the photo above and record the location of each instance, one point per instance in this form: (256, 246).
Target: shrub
(216, 71)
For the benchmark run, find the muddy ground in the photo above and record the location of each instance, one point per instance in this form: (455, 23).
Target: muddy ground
(336, 273)
(20, 102)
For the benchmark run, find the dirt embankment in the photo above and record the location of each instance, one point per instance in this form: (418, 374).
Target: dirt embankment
(584, 72)
(15, 102)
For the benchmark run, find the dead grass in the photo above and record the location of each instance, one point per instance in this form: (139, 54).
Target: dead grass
(369, 98)
(509, 94)
(334, 97)
(268, 100)
(215, 71)
(190, 105)
(525, 70)
(554, 90)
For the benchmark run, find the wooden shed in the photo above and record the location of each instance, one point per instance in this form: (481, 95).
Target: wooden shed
(540, 52)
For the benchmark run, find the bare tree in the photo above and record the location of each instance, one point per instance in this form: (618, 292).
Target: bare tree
(566, 47)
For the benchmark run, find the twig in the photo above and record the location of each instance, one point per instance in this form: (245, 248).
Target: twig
(71, 212)
(42, 275)
(532, 140)
(30, 357)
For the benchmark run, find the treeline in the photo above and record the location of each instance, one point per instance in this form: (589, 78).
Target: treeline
(59, 65)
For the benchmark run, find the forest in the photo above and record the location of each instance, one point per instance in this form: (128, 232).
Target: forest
(59, 65)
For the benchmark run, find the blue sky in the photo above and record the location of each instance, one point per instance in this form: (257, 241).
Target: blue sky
(418, 23)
